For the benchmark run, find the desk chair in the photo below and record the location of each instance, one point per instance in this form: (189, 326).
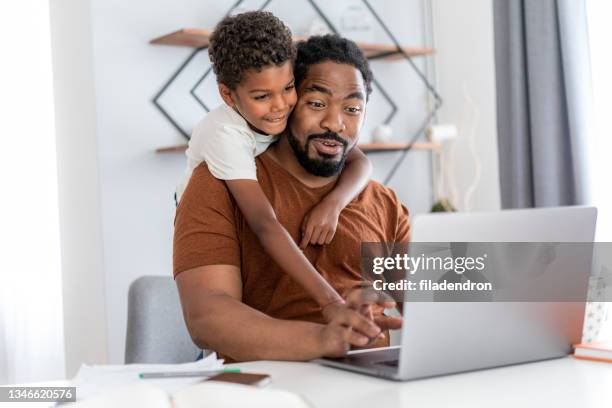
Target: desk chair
(156, 331)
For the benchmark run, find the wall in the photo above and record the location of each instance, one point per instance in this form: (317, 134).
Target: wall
(83, 279)
(137, 184)
(463, 35)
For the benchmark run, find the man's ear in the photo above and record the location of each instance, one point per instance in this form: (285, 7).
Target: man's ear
(226, 95)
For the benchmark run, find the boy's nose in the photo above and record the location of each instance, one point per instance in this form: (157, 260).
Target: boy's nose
(279, 103)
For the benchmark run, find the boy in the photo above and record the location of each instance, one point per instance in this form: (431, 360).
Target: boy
(252, 56)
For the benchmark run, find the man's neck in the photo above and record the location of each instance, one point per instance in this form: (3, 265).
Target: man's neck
(282, 153)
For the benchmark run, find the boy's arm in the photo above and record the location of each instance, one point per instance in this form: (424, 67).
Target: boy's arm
(319, 225)
(278, 243)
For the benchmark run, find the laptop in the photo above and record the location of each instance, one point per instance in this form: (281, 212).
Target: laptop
(440, 338)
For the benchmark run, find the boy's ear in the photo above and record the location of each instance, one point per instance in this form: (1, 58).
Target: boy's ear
(226, 95)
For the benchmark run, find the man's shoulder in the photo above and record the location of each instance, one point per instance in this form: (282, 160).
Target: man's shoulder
(377, 193)
(383, 205)
(203, 187)
(202, 174)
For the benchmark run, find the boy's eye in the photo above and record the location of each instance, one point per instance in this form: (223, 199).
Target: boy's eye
(260, 97)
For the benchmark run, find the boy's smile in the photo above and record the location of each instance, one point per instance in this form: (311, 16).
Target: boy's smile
(265, 98)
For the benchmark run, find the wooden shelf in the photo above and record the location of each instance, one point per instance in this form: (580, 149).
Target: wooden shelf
(186, 37)
(198, 38)
(365, 147)
(392, 147)
(172, 149)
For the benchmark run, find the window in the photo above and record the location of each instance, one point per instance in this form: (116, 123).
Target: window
(31, 324)
(599, 13)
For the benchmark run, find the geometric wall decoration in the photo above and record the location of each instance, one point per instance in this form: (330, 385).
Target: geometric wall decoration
(396, 51)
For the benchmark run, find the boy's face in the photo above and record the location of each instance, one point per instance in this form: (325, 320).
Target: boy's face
(265, 98)
(328, 116)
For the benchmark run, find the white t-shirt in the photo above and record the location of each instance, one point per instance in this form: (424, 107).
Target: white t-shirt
(227, 144)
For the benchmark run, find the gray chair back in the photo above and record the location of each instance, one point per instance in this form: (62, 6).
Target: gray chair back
(156, 331)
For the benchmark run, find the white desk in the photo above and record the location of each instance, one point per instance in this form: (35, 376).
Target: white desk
(564, 382)
(559, 383)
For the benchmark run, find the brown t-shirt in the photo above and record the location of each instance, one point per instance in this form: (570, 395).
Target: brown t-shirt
(210, 230)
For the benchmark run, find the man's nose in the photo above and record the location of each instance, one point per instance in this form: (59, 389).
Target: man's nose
(333, 121)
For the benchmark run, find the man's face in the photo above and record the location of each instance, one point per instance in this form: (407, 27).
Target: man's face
(327, 118)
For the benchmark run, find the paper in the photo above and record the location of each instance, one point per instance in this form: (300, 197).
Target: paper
(206, 394)
(135, 395)
(214, 394)
(93, 379)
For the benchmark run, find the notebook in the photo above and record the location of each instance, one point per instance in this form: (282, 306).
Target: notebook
(598, 351)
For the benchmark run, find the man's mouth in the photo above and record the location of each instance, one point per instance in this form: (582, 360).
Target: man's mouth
(327, 146)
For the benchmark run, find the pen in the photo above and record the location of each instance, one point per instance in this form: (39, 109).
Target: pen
(179, 374)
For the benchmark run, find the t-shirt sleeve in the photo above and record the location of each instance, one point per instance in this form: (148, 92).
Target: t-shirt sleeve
(229, 153)
(400, 219)
(205, 230)
(402, 231)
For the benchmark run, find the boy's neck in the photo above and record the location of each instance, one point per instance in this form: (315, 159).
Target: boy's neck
(282, 153)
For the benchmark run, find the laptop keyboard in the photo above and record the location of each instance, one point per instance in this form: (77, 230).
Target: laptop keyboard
(389, 363)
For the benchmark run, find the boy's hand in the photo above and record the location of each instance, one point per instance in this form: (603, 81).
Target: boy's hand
(319, 225)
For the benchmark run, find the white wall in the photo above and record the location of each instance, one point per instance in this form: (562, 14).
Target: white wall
(137, 184)
(463, 32)
(129, 187)
(78, 182)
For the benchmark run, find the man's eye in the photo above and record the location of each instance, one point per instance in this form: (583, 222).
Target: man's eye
(353, 109)
(316, 105)
(260, 97)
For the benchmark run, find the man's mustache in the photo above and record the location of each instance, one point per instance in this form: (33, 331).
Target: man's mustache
(328, 135)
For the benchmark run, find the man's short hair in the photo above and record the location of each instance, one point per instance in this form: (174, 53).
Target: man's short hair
(331, 47)
(251, 40)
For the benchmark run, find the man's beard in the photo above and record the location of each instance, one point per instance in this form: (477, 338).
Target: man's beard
(325, 165)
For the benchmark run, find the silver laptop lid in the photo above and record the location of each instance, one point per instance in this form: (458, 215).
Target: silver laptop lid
(444, 337)
(555, 224)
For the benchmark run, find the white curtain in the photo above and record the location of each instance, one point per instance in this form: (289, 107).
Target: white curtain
(31, 326)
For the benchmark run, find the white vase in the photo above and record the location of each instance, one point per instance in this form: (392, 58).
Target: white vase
(382, 134)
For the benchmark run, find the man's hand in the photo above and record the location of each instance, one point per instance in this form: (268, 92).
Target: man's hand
(346, 328)
(371, 303)
(355, 322)
(319, 225)
(332, 309)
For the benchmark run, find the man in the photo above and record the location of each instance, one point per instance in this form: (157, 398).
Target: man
(235, 299)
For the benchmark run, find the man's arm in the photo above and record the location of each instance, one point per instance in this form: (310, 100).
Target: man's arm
(217, 319)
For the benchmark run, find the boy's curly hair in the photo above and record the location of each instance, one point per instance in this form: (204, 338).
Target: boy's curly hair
(331, 47)
(250, 40)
